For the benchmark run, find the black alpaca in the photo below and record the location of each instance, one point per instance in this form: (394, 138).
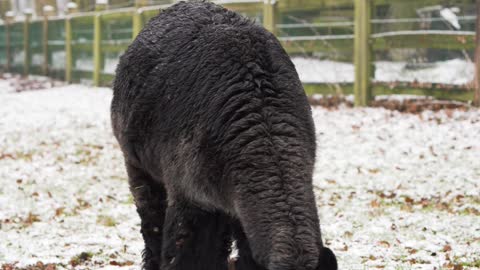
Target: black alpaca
(219, 144)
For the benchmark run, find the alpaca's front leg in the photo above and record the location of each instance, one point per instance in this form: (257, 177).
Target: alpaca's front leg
(150, 199)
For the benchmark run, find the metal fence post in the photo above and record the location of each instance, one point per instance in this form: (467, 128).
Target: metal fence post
(26, 42)
(363, 52)
(270, 15)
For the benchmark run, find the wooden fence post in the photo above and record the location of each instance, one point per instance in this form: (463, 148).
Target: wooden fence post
(270, 15)
(45, 44)
(476, 99)
(68, 49)
(26, 43)
(47, 11)
(8, 53)
(97, 49)
(71, 7)
(97, 42)
(10, 17)
(137, 22)
(363, 52)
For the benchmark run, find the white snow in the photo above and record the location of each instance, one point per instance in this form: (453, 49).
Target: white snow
(58, 60)
(456, 71)
(85, 64)
(60, 164)
(111, 65)
(323, 71)
(364, 153)
(58, 144)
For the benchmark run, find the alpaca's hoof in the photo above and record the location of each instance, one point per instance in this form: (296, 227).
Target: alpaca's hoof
(327, 260)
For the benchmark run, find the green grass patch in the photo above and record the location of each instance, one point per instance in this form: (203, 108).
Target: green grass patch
(106, 221)
(81, 258)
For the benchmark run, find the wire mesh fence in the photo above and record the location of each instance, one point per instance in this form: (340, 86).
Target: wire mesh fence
(3, 48)
(56, 54)
(82, 48)
(17, 57)
(36, 54)
(319, 38)
(423, 47)
(117, 32)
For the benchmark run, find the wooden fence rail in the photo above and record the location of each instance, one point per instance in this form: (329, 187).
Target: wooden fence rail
(88, 37)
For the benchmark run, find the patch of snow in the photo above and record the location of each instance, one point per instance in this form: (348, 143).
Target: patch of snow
(85, 64)
(454, 71)
(37, 59)
(111, 65)
(60, 164)
(323, 71)
(58, 60)
(5, 86)
(364, 153)
(18, 58)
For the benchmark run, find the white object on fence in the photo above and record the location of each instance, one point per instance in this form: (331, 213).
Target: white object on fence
(450, 16)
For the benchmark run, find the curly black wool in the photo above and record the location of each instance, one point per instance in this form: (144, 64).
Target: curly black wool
(219, 144)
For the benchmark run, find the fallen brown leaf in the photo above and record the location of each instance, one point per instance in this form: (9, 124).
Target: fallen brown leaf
(384, 244)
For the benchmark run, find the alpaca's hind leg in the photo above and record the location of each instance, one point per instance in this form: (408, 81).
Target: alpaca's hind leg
(150, 199)
(195, 239)
(245, 260)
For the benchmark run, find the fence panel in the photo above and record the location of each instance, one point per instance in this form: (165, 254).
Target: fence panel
(82, 48)
(56, 48)
(116, 36)
(16, 47)
(3, 48)
(250, 9)
(319, 38)
(36, 55)
(149, 13)
(424, 47)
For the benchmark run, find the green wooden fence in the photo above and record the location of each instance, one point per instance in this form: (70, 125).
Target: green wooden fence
(84, 47)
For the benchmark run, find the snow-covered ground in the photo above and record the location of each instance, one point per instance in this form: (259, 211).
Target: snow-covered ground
(395, 191)
(454, 71)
